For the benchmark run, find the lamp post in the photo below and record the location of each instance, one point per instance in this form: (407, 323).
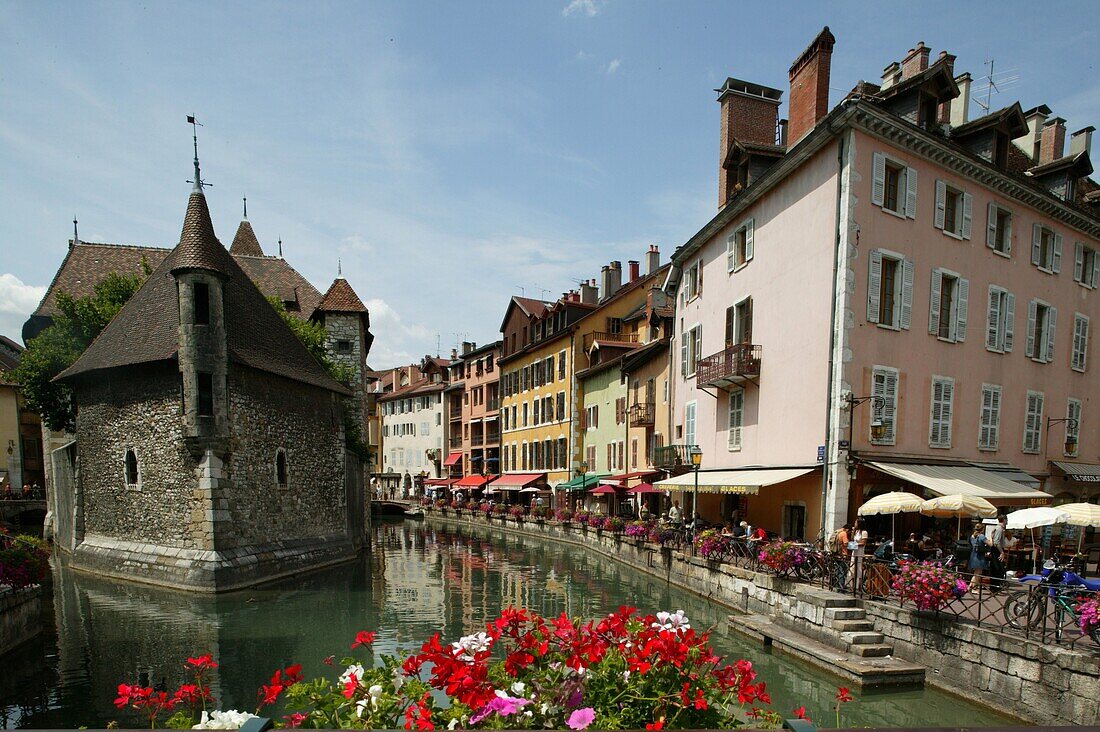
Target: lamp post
(696, 459)
(1070, 446)
(878, 427)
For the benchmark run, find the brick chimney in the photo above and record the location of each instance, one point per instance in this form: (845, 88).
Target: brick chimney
(1081, 141)
(633, 264)
(750, 113)
(652, 259)
(915, 61)
(1052, 142)
(809, 77)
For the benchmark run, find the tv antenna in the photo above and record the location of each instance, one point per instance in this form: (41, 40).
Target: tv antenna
(994, 82)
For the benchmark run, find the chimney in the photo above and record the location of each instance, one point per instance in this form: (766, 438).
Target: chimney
(605, 281)
(652, 259)
(1081, 141)
(891, 75)
(1052, 141)
(915, 61)
(783, 124)
(588, 292)
(809, 77)
(633, 269)
(1029, 142)
(468, 347)
(960, 106)
(949, 59)
(750, 113)
(614, 279)
(454, 354)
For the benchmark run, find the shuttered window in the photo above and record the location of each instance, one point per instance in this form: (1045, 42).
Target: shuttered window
(894, 186)
(884, 384)
(1073, 425)
(889, 290)
(1086, 265)
(689, 423)
(1078, 359)
(1042, 320)
(736, 418)
(1033, 422)
(1000, 320)
(739, 246)
(990, 422)
(1046, 248)
(998, 236)
(943, 398)
(948, 306)
(954, 210)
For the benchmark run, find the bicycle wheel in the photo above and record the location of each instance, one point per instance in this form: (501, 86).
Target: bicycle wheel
(1024, 611)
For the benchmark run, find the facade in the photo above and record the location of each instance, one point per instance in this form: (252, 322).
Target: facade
(211, 441)
(478, 432)
(20, 430)
(896, 297)
(412, 424)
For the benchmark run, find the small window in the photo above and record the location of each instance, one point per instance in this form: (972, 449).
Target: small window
(280, 468)
(1086, 265)
(693, 285)
(948, 306)
(1079, 354)
(1046, 249)
(1000, 320)
(939, 423)
(201, 293)
(1073, 426)
(894, 176)
(343, 346)
(889, 290)
(614, 326)
(884, 384)
(1041, 325)
(999, 230)
(736, 418)
(133, 476)
(894, 186)
(990, 422)
(953, 210)
(206, 394)
(739, 247)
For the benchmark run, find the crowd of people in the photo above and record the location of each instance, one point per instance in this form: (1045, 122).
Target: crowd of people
(30, 492)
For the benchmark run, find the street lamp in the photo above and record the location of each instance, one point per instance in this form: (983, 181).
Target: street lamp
(696, 459)
(878, 427)
(1071, 432)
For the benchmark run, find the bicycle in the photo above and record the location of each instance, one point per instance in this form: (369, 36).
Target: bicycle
(1029, 612)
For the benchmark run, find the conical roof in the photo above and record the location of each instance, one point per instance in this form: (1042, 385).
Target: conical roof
(341, 298)
(245, 242)
(199, 248)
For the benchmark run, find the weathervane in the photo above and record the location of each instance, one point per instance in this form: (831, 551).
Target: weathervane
(245, 199)
(199, 182)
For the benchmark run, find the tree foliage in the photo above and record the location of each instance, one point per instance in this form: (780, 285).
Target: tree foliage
(77, 323)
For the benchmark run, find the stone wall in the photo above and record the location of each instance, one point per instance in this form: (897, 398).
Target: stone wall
(20, 616)
(1050, 685)
(140, 410)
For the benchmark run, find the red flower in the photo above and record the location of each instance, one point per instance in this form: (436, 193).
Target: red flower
(800, 713)
(202, 663)
(843, 695)
(191, 694)
(656, 726)
(293, 674)
(125, 693)
(296, 719)
(351, 685)
(364, 638)
(330, 661)
(418, 716)
(269, 694)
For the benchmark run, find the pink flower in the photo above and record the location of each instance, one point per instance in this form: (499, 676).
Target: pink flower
(581, 718)
(501, 704)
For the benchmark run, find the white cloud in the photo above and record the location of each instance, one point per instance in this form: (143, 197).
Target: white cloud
(581, 7)
(582, 55)
(614, 65)
(17, 301)
(393, 336)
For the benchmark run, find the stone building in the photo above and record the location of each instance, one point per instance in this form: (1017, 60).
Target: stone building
(211, 442)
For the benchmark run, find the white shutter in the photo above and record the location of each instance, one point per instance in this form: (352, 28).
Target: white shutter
(878, 184)
(906, 293)
(963, 297)
(749, 227)
(1095, 271)
(993, 320)
(935, 419)
(968, 214)
(684, 354)
(991, 226)
(911, 193)
(1078, 261)
(1008, 234)
(731, 246)
(889, 411)
(946, 412)
(995, 419)
(941, 203)
(1056, 266)
(1029, 350)
(736, 408)
(934, 302)
(874, 284)
(1036, 245)
(985, 436)
(1052, 324)
(1010, 320)
(698, 355)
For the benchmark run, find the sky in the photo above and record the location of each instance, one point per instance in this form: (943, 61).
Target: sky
(447, 155)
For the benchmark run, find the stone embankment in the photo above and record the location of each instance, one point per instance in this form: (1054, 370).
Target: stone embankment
(861, 641)
(20, 616)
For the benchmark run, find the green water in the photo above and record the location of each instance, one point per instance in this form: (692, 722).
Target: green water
(418, 580)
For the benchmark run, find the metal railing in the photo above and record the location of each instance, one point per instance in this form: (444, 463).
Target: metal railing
(641, 414)
(589, 338)
(734, 363)
(670, 457)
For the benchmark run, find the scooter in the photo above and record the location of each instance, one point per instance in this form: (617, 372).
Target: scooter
(1055, 576)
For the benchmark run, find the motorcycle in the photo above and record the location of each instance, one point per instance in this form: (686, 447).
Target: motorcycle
(1061, 587)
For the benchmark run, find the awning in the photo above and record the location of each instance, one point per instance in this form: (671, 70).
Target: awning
(473, 481)
(453, 458)
(747, 482)
(1012, 473)
(517, 480)
(582, 482)
(946, 480)
(440, 482)
(622, 479)
(1083, 472)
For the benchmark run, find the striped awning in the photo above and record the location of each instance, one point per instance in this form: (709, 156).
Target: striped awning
(1083, 472)
(744, 482)
(947, 480)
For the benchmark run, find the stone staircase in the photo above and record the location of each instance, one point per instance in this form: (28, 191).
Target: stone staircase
(857, 633)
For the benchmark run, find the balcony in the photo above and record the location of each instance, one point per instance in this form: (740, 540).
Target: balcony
(671, 457)
(641, 415)
(492, 405)
(731, 366)
(492, 438)
(455, 441)
(609, 337)
(476, 440)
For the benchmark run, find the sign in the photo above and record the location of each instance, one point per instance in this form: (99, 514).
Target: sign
(821, 453)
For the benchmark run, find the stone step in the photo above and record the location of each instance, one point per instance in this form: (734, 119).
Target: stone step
(844, 613)
(851, 626)
(824, 598)
(873, 650)
(863, 639)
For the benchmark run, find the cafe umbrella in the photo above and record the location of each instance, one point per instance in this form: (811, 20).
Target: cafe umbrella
(892, 504)
(1032, 518)
(1082, 515)
(958, 505)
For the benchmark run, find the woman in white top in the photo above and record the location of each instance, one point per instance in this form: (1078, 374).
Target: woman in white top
(857, 543)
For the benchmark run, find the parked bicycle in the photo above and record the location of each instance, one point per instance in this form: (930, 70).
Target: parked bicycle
(1057, 589)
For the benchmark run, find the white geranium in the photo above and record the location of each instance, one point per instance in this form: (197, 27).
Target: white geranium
(672, 621)
(517, 688)
(466, 647)
(229, 719)
(356, 669)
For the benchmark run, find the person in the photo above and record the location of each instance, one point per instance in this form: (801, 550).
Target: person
(538, 501)
(675, 515)
(644, 514)
(857, 544)
(738, 531)
(727, 529)
(997, 548)
(913, 545)
(979, 550)
(843, 536)
(759, 534)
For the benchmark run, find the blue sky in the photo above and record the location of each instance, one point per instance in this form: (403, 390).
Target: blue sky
(449, 153)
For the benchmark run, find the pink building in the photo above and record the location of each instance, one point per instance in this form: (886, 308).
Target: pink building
(892, 296)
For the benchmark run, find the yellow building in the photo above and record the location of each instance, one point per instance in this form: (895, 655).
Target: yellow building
(20, 430)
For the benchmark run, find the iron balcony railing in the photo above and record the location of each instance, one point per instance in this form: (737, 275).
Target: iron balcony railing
(732, 365)
(456, 441)
(670, 457)
(642, 414)
(476, 440)
(611, 337)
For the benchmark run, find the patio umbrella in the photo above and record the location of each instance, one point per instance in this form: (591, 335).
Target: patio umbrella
(531, 489)
(1030, 518)
(643, 488)
(891, 503)
(958, 505)
(1082, 515)
(603, 490)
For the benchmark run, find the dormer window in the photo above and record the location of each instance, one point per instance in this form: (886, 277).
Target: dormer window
(1000, 149)
(927, 112)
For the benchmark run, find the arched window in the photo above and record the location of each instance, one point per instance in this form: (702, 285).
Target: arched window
(132, 475)
(280, 468)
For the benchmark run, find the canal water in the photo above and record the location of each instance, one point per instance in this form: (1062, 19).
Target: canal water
(417, 581)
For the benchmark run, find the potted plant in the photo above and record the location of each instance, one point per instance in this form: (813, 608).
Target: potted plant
(564, 516)
(517, 513)
(928, 585)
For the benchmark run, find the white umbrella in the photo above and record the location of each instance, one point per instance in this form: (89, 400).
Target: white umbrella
(958, 505)
(1030, 518)
(1081, 515)
(891, 503)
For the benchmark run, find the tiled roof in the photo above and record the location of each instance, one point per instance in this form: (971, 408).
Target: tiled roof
(341, 298)
(275, 277)
(245, 242)
(199, 247)
(146, 329)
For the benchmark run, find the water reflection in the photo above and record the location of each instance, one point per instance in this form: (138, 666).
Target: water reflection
(418, 580)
